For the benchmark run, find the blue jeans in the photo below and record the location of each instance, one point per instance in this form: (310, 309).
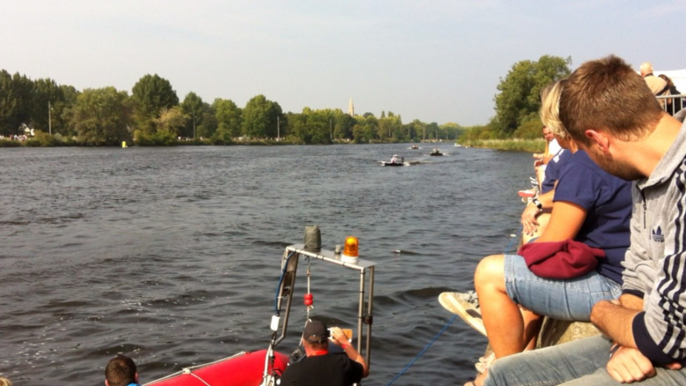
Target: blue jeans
(570, 299)
(578, 363)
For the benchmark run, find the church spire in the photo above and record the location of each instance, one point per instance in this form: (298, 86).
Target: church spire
(351, 108)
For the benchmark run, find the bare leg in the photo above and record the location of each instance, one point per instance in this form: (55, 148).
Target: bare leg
(505, 324)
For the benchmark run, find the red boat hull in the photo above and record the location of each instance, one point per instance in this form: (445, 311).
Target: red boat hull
(242, 370)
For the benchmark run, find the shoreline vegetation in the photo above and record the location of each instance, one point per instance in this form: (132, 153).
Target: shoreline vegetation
(512, 144)
(41, 112)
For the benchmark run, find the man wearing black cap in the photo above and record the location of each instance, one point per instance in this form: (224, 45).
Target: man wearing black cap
(321, 367)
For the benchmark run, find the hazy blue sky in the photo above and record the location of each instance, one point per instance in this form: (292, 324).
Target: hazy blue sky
(433, 60)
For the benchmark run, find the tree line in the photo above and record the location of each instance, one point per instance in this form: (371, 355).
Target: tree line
(518, 100)
(153, 115)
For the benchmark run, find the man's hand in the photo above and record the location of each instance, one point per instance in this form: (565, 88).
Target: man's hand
(628, 365)
(529, 222)
(339, 337)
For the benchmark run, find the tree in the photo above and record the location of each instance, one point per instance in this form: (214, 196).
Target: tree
(260, 117)
(229, 119)
(193, 108)
(343, 126)
(45, 93)
(150, 95)
(102, 116)
(169, 124)
(16, 102)
(519, 97)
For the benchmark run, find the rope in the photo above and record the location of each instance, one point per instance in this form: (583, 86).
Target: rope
(423, 351)
(519, 230)
(278, 286)
(201, 380)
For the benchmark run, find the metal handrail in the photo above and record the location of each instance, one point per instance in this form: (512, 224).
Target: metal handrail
(365, 269)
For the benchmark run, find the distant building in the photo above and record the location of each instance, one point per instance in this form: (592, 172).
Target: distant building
(351, 108)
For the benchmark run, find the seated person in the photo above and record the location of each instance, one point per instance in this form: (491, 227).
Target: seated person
(643, 334)
(121, 371)
(552, 148)
(321, 367)
(590, 206)
(396, 160)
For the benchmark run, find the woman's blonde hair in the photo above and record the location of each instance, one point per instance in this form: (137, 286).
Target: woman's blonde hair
(550, 108)
(5, 382)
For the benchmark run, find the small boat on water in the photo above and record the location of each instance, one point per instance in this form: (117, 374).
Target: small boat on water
(265, 367)
(414, 147)
(435, 152)
(395, 161)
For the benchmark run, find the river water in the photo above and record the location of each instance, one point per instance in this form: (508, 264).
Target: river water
(171, 255)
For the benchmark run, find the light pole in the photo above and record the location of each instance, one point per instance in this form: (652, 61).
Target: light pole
(49, 118)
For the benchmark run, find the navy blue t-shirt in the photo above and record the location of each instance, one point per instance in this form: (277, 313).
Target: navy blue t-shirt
(607, 200)
(552, 171)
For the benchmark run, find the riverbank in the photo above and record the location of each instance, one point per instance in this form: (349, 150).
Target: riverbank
(515, 144)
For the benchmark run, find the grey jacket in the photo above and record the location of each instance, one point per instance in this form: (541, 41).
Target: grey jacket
(655, 264)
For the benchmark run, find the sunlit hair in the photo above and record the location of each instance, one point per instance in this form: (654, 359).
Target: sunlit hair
(550, 109)
(5, 382)
(606, 94)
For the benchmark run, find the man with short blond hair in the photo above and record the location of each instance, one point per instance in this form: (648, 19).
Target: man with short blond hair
(644, 331)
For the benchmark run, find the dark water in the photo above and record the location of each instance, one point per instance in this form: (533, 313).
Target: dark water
(172, 255)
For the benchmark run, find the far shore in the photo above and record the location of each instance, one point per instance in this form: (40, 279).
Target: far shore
(514, 144)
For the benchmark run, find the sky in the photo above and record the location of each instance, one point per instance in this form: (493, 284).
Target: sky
(432, 60)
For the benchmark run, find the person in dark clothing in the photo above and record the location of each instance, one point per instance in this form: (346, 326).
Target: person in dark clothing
(322, 367)
(676, 104)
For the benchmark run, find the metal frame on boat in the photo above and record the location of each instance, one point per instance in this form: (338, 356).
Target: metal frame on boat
(263, 367)
(287, 288)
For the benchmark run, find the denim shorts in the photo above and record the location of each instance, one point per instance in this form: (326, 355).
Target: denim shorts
(569, 299)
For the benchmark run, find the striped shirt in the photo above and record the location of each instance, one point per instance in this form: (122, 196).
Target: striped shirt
(655, 264)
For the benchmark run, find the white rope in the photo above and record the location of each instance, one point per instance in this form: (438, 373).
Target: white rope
(193, 374)
(310, 307)
(188, 370)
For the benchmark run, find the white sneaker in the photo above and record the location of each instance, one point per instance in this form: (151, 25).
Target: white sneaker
(484, 363)
(469, 311)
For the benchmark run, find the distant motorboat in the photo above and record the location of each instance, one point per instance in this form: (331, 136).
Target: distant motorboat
(395, 161)
(435, 152)
(414, 147)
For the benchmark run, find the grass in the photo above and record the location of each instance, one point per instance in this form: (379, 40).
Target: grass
(514, 144)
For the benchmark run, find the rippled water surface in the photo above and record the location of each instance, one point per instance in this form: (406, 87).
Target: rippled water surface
(172, 255)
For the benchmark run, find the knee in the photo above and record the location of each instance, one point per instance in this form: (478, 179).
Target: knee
(490, 270)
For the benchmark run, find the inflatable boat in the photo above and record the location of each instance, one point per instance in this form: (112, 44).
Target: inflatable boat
(265, 367)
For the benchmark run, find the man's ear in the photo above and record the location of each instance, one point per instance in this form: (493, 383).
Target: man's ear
(598, 140)
(135, 377)
(107, 383)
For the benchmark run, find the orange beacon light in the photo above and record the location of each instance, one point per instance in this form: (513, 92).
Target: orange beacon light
(351, 250)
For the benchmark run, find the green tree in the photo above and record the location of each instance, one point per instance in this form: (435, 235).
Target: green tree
(209, 126)
(169, 124)
(229, 119)
(452, 130)
(150, 95)
(519, 93)
(193, 108)
(343, 126)
(102, 116)
(16, 102)
(46, 93)
(260, 117)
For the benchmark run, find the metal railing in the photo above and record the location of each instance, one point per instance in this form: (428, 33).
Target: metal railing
(673, 104)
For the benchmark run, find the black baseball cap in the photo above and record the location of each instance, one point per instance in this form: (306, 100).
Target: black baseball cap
(316, 332)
